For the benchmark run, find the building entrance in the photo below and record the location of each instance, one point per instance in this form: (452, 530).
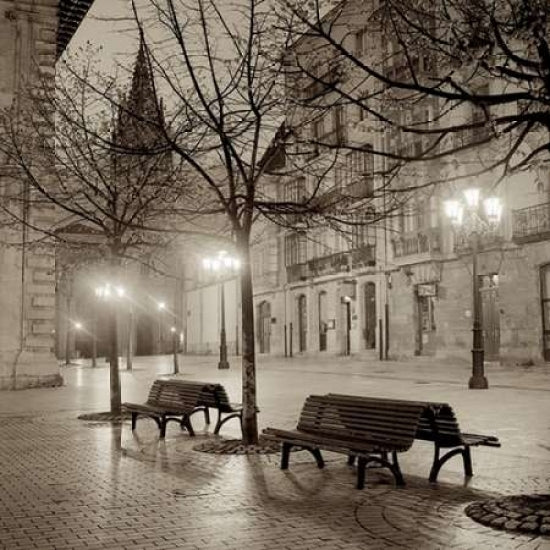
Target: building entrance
(323, 321)
(369, 327)
(264, 326)
(490, 316)
(545, 304)
(425, 306)
(302, 323)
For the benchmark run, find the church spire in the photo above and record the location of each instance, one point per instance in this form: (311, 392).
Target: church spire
(140, 104)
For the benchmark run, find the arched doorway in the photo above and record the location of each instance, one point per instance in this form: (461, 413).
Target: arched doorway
(264, 326)
(369, 325)
(302, 323)
(322, 321)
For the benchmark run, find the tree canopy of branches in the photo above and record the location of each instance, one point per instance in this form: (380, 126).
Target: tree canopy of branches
(448, 78)
(220, 67)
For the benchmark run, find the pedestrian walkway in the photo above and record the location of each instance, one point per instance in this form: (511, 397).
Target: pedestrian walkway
(67, 483)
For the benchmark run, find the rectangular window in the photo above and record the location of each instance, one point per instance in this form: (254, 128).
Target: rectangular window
(295, 248)
(363, 232)
(357, 173)
(361, 42)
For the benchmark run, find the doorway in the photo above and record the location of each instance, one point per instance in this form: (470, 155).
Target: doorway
(545, 304)
(490, 316)
(264, 326)
(369, 327)
(425, 307)
(302, 323)
(323, 325)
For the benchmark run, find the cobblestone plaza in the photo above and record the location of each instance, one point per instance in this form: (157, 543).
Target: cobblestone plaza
(68, 483)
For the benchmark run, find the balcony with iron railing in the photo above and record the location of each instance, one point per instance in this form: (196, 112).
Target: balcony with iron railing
(531, 224)
(339, 262)
(417, 243)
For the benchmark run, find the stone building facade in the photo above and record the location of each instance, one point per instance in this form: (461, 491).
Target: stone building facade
(32, 37)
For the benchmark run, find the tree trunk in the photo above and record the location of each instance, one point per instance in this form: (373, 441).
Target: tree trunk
(112, 325)
(250, 420)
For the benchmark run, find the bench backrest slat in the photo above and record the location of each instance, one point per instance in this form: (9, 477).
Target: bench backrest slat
(437, 422)
(189, 392)
(154, 393)
(334, 416)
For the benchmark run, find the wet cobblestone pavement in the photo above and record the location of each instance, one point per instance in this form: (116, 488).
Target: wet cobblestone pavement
(67, 483)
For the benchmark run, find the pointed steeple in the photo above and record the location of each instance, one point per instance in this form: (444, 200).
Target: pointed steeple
(140, 105)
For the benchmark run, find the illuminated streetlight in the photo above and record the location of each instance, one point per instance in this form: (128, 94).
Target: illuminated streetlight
(468, 216)
(222, 264)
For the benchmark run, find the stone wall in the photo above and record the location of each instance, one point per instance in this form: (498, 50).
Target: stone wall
(27, 278)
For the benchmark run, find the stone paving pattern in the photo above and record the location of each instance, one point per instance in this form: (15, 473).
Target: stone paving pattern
(67, 483)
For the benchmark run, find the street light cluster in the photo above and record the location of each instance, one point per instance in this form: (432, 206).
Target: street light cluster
(473, 220)
(456, 210)
(221, 263)
(107, 291)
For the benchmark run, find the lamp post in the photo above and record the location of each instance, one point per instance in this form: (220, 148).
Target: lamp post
(174, 332)
(161, 306)
(468, 216)
(94, 335)
(221, 265)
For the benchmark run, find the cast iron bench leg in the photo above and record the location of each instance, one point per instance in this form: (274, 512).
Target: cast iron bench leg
(285, 453)
(134, 418)
(438, 462)
(186, 422)
(361, 467)
(318, 457)
(467, 459)
(207, 415)
(396, 470)
(162, 426)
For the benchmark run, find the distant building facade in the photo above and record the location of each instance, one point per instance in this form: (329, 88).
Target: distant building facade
(402, 286)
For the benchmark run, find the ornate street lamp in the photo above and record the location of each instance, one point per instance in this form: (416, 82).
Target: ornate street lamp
(468, 215)
(222, 265)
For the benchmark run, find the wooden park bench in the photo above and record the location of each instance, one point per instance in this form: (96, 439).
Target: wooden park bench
(369, 431)
(212, 396)
(438, 424)
(169, 402)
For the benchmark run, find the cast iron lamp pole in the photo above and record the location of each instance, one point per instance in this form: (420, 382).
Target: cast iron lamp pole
(476, 222)
(220, 265)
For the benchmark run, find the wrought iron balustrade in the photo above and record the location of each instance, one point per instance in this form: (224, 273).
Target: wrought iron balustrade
(421, 242)
(333, 263)
(531, 224)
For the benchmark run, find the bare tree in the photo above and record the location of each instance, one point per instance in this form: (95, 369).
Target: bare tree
(57, 148)
(223, 64)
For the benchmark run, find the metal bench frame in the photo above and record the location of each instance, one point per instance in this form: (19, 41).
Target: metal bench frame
(438, 424)
(335, 424)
